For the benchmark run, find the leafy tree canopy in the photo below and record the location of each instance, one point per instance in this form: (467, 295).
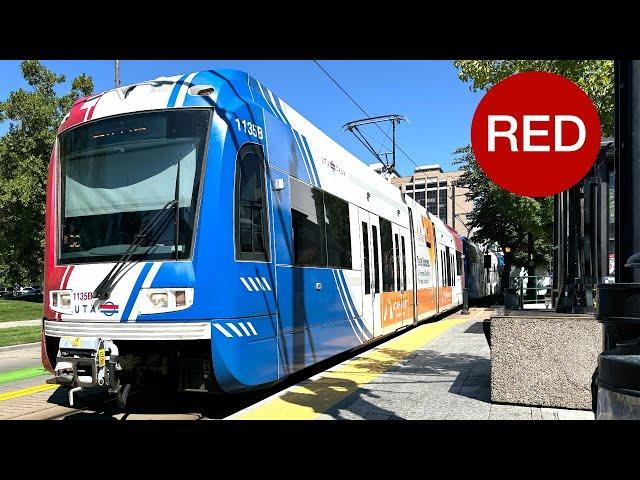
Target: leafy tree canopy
(595, 77)
(505, 218)
(33, 114)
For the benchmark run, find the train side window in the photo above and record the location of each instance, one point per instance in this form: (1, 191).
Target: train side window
(251, 225)
(307, 212)
(397, 255)
(454, 272)
(404, 265)
(453, 269)
(376, 276)
(365, 258)
(338, 231)
(444, 269)
(386, 242)
(447, 261)
(458, 263)
(452, 261)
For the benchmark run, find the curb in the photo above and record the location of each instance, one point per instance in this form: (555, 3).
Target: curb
(24, 346)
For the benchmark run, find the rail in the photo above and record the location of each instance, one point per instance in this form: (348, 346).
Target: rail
(531, 290)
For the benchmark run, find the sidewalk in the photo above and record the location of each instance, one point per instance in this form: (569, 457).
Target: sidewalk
(20, 358)
(442, 375)
(21, 323)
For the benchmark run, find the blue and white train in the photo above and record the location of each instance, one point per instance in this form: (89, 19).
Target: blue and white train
(201, 234)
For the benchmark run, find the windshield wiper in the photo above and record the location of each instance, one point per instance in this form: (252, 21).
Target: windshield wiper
(105, 287)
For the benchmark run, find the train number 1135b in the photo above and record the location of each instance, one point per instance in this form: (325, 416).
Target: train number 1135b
(249, 128)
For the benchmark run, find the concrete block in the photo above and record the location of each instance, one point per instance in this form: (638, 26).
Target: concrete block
(544, 358)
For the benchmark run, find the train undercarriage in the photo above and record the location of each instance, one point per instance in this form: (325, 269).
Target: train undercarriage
(122, 366)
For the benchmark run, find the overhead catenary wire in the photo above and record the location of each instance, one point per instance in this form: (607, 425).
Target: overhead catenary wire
(353, 100)
(362, 110)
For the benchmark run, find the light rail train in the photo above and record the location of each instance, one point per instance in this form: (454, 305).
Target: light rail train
(201, 234)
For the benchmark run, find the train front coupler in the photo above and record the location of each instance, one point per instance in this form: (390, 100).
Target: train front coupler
(87, 362)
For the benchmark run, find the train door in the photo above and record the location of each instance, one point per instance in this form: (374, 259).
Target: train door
(401, 307)
(370, 255)
(406, 277)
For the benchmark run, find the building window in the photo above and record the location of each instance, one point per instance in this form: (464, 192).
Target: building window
(443, 205)
(251, 225)
(432, 205)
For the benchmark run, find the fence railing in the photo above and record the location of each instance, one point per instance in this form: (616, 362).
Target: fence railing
(532, 290)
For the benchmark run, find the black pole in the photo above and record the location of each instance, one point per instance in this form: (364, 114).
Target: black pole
(393, 123)
(627, 192)
(557, 249)
(617, 303)
(116, 69)
(465, 301)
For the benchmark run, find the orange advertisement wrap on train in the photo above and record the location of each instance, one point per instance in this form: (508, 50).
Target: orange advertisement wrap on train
(395, 307)
(445, 296)
(426, 257)
(426, 300)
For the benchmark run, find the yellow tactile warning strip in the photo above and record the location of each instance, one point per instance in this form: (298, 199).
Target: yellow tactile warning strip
(26, 391)
(308, 400)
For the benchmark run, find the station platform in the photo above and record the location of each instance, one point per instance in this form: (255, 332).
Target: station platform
(436, 371)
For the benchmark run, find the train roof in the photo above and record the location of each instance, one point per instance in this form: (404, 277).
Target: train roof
(231, 86)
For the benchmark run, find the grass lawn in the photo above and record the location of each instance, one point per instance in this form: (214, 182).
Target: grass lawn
(15, 310)
(19, 335)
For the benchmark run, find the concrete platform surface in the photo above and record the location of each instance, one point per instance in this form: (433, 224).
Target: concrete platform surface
(437, 371)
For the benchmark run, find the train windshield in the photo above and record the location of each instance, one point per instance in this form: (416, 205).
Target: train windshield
(117, 174)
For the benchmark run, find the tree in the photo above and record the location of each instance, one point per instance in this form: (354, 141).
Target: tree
(498, 215)
(595, 77)
(505, 218)
(34, 116)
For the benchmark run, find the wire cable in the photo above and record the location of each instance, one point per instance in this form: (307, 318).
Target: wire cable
(362, 110)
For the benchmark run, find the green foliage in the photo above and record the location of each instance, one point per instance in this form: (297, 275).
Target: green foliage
(18, 310)
(19, 335)
(595, 77)
(34, 115)
(503, 217)
(498, 215)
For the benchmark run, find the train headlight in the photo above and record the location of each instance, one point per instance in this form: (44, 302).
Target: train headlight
(161, 300)
(60, 301)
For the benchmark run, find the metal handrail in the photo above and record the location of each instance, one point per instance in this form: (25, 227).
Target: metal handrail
(523, 292)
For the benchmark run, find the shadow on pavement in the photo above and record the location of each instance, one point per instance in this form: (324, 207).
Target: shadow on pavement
(425, 369)
(475, 328)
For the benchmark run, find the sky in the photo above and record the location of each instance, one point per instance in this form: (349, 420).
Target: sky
(438, 105)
